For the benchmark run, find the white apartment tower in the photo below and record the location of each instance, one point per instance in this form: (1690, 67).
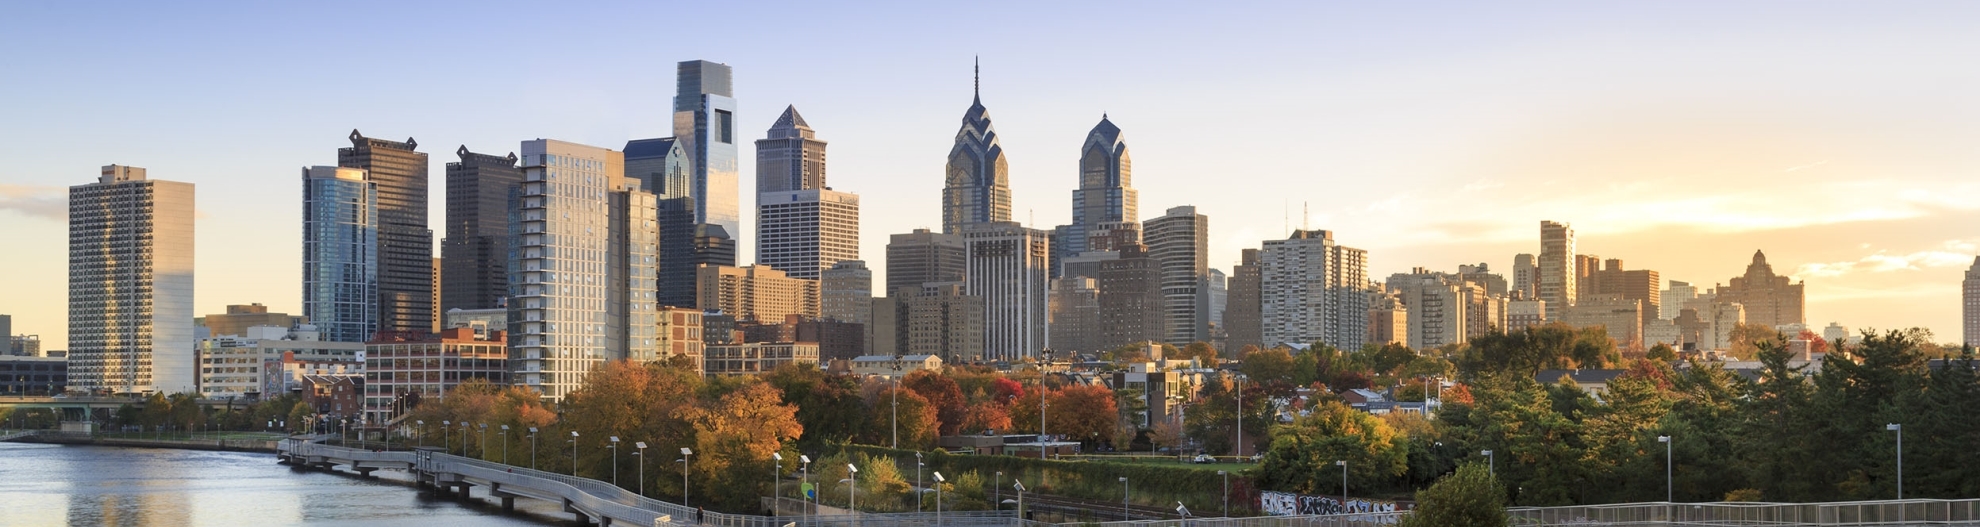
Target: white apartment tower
(581, 275)
(1313, 291)
(1006, 266)
(1557, 268)
(1969, 305)
(131, 284)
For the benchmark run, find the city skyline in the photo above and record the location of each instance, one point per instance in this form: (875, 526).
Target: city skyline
(1704, 148)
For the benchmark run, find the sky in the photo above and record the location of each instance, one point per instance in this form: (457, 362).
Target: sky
(1678, 136)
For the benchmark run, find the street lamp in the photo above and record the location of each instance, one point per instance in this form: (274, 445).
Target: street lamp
(1344, 492)
(1124, 499)
(852, 488)
(1666, 440)
(464, 431)
(1227, 492)
(447, 437)
(641, 455)
(776, 471)
(484, 441)
(422, 431)
(1894, 427)
(613, 444)
(532, 448)
(997, 489)
(917, 481)
(685, 452)
(804, 478)
(1240, 417)
(938, 497)
(574, 463)
(1491, 464)
(1019, 485)
(897, 414)
(505, 444)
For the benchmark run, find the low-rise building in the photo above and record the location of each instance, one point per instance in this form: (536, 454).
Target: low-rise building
(266, 361)
(22, 375)
(482, 321)
(1162, 387)
(883, 365)
(334, 397)
(757, 357)
(403, 370)
(681, 334)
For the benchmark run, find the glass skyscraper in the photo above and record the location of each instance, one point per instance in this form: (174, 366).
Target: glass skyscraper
(475, 253)
(1105, 193)
(705, 124)
(340, 253)
(405, 243)
(978, 187)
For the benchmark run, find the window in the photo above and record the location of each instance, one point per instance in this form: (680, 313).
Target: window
(725, 124)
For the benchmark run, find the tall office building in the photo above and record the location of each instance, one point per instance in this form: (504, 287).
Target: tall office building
(1969, 307)
(664, 168)
(1557, 268)
(978, 187)
(1640, 285)
(1131, 298)
(1105, 193)
(1770, 300)
(937, 318)
(581, 277)
(1313, 291)
(474, 271)
(1526, 276)
(705, 125)
(1007, 268)
(804, 232)
(1243, 312)
(1179, 241)
(340, 258)
(1076, 317)
(922, 257)
(791, 157)
(845, 293)
(131, 284)
(405, 244)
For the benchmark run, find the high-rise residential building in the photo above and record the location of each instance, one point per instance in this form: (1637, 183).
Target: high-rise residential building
(1076, 314)
(340, 253)
(1673, 299)
(791, 157)
(1007, 268)
(1969, 302)
(1220, 296)
(1313, 290)
(1243, 313)
(1179, 242)
(474, 271)
(1483, 276)
(937, 318)
(239, 318)
(1388, 318)
(705, 125)
(978, 187)
(756, 293)
(1640, 285)
(1621, 317)
(1836, 331)
(845, 292)
(24, 346)
(1131, 299)
(1557, 273)
(1769, 299)
(1526, 276)
(581, 273)
(1446, 309)
(922, 257)
(1105, 194)
(405, 244)
(805, 232)
(131, 284)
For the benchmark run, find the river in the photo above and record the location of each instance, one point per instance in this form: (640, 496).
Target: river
(50, 485)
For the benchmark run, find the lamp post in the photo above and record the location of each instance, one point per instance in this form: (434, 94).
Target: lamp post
(998, 489)
(447, 436)
(1668, 485)
(938, 498)
(1491, 464)
(1124, 499)
(776, 471)
(613, 443)
(464, 431)
(532, 448)
(422, 432)
(484, 440)
(804, 478)
(685, 452)
(641, 456)
(1894, 427)
(1240, 417)
(1344, 492)
(917, 481)
(852, 488)
(1227, 492)
(505, 444)
(897, 412)
(1019, 485)
(1047, 355)
(574, 464)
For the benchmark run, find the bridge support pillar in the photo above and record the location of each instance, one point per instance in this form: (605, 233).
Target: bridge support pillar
(364, 472)
(508, 503)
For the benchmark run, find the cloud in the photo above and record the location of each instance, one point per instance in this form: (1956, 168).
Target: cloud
(1951, 253)
(1806, 167)
(35, 200)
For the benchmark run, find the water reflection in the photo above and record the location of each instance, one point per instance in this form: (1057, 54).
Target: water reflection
(43, 485)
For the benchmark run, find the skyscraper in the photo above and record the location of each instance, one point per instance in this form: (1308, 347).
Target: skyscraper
(475, 254)
(1130, 299)
(1179, 242)
(1105, 194)
(790, 157)
(340, 258)
(923, 257)
(1526, 276)
(978, 187)
(1557, 268)
(804, 232)
(705, 125)
(1672, 300)
(1770, 300)
(756, 293)
(664, 168)
(1640, 285)
(1313, 291)
(405, 244)
(581, 279)
(1243, 315)
(1969, 306)
(131, 284)
(845, 293)
(1007, 267)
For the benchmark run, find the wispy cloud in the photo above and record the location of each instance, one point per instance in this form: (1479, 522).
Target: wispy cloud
(1951, 253)
(1805, 167)
(35, 200)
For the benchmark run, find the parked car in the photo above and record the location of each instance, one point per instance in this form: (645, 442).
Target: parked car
(1202, 459)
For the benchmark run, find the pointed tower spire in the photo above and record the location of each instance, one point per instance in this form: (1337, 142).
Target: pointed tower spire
(979, 79)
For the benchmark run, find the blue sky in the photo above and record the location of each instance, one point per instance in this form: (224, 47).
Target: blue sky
(1679, 136)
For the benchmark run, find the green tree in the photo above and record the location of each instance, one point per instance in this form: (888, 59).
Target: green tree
(1468, 497)
(829, 406)
(1302, 453)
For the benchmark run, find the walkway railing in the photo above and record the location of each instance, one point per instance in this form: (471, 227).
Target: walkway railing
(1729, 514)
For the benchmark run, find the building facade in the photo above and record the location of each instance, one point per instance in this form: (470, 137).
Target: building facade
(790, 157)
(1621, 317)
(758, 357)
(1313, 291)
(756, 293)
(1132, 303)
(977, 187)
(705, 126)
(404, 370)
(805, 232)
(1388, 319)
(1105, 195)
(1641, 285)
(1769, 299)
(1674, 298)
(845, 292)
(1243, 312)
(1556, 268)
(405, 243)
(22, 376)
(240, 317)
(1969, 302)
(1076, 314)
(257, 363)
(131, 284)
(1179, 242)
(340, 253)
(922, 257)
(1008, 264)
(474, 271)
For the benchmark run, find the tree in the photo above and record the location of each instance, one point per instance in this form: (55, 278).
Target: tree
(1662, 352)
(735, 434)
(1529, 350)
(1469, 497)
(1083, 413)
(1272, 365)
(1302, 453)
(1203, 352)
(829, 406)
(1213, 418)
(986, 416)
(1166, 433)
(918, 424)
(941, 393)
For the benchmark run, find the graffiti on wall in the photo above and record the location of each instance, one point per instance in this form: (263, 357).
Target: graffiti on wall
(1288, 504)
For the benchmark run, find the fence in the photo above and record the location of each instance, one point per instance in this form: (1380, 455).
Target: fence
(1840, 514)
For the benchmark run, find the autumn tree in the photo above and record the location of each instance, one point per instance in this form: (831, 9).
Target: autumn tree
(943, 394)
(985, 416)
(892, 411)
(1302, 453)
(734, 435)
(1203, 352)
(829, 406)
(1471, 497)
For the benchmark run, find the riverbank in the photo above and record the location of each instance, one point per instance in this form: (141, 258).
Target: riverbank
(258, 446)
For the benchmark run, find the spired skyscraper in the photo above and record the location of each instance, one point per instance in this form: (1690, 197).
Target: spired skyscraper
(978, 182)
(340, 253)
(1105, 194)
(475, 254)
(405, 244)
(791, 157)
(131, 284)
(802, 226)
(705, 125)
